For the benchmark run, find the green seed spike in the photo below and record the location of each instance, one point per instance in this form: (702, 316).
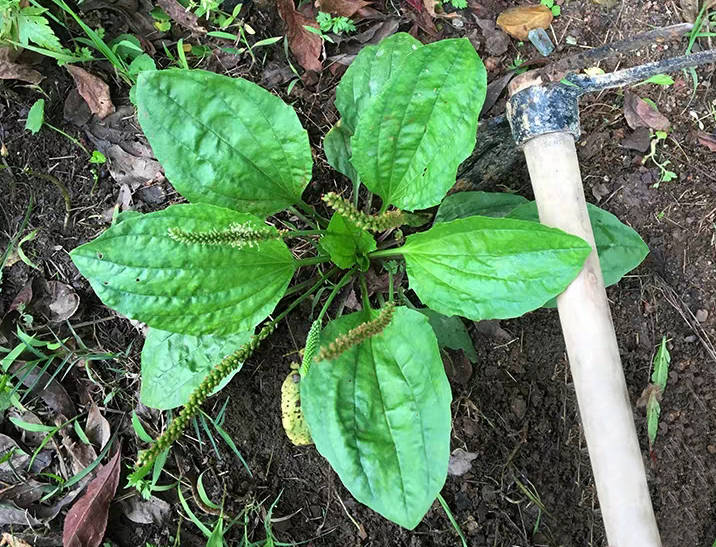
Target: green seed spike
(372, 223)
(312, 342)
(357, 335)
(199, 395)
(237, 235)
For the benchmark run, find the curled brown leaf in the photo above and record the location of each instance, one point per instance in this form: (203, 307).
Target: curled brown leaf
(305, 45)
(93, 90)
(639, 113)
(517, 22)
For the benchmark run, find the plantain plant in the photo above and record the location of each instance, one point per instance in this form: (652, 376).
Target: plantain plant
(205, 276)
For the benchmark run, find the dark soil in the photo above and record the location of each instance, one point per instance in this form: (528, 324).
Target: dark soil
(531, 483)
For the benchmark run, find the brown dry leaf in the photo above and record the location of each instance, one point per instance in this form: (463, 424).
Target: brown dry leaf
(708, 140)
(639, 113)
(86, 521)
(341, 8)
(12, 514)
(181, 15)
(517, 22)
(304, 44)
(14, 71)
(690, 10)
(141, 511)
(12, 541)
(58, 302)
(93, 90)
(609, 4)
(97, 427)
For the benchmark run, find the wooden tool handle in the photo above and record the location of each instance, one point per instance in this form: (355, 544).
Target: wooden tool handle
(593, 352)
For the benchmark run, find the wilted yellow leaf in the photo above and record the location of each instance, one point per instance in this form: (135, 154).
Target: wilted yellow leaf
(517, 22)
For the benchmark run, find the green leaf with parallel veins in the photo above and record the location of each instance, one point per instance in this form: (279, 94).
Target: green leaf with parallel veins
(337, 146)
(347, 244)
(468, 204)
(620, 247)
(174, 364)
(138, 270)
(380, 415)
(224, 141)
(368, 74)
(491, 268)
(412, 137)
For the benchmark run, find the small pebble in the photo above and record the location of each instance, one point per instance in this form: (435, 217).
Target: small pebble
(711, 448)
(702, 316)
(690, 339)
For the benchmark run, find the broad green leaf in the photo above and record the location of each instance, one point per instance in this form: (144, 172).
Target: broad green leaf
(36, 116)
(662, 360)
(347, 244)
(620, 247)
(224, 141)
(468, 204)
(491, 268)
(138, 270)
(410, 140)
(174, 364)
(368, 74)
(380, 415)
(337, 146)
(451, 332)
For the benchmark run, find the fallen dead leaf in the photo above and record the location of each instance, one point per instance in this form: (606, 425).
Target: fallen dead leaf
(12, 469)
(81, 455)
(57, 302)
(151, 511)
(639, 113)
(639, 140)
(496, 41)
(47, 388)
(86, 521)
(23, 494)
(707, 139)
(93, 90)
(304, 44)
(342, 8)
(690, 9)
(130, 158)
(97, 427)
(14, 71)
(12, 541)
(517, 22)
(12, 514)
(460, 462)
(181, 15)
(609, 4)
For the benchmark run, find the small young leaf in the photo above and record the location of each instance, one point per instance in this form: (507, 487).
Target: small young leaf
(347, 244)
(139, 429)
(136, 268)
(662, 360)
(491, 268)
(468, 204)
(224, 141)
(411, 139)
(36, 116)
(659, 79)
(380, 415)
(174, 364)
